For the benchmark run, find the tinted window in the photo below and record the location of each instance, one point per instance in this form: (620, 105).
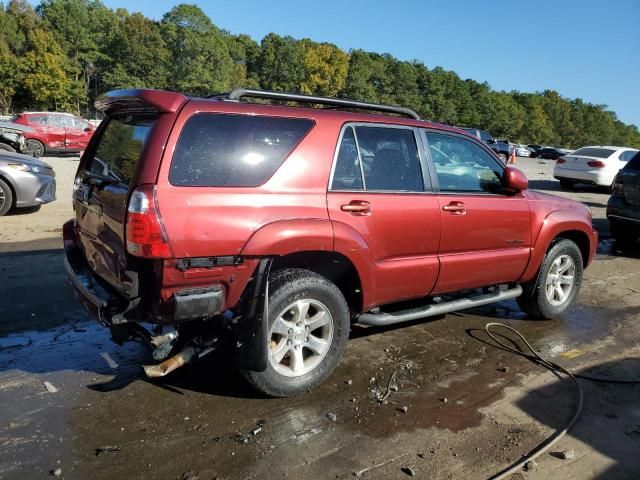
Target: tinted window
(485, 136)
(463, 166)
(389, 159)
(347, 174)
(627, 155)
(218, 150)
(38, 119)
(119, 148)
(634, 163)
(594, 152)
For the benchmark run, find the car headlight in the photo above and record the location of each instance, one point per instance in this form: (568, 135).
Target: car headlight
(23, 167)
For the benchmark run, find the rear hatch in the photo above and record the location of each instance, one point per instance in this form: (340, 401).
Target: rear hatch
(579, 160)
(112, 166)
(629, 176)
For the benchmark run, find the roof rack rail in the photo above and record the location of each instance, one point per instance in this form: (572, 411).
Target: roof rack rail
(239, 93)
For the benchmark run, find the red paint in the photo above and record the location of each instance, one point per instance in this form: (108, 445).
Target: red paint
(58, 132)
(402, 245)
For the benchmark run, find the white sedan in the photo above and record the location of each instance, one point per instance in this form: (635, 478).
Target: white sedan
(596, 165)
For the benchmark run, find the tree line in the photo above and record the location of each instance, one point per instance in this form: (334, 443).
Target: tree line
(62, 54)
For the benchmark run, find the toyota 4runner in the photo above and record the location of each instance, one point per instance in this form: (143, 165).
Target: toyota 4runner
(276, 227)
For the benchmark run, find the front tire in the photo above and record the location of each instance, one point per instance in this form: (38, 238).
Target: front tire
(558, 283)
(309, 324)
(6, 197)
(624, 235)
(35, 148)
(7, 148)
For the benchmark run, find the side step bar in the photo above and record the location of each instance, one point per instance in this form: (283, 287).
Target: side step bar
(380, 319)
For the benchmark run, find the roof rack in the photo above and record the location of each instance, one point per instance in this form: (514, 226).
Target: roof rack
(239, 93)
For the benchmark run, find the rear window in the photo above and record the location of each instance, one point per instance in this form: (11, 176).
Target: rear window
(594, 152)
(224, 150)
(120, 146)
(634, 163)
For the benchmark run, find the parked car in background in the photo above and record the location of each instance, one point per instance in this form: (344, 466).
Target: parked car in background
(596, 165)
(522, 150)
(623, 208)
(12, 137)
(549, 153)
(24, 182)
(276, 227)
(534, 150)
(54, 132)
(501, 148)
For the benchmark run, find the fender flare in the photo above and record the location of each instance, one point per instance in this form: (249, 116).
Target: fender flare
(554, 225)
(290, 236)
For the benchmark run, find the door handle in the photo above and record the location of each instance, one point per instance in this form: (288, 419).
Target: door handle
(455, 208)
(357, 208)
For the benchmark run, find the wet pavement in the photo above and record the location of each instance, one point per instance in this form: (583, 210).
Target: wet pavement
(471, 408)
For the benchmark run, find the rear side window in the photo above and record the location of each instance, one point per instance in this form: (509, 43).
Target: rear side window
(634, 163)
(378, 159)
(627, 155)
(594, 152)
(223, 150)
(119, 148)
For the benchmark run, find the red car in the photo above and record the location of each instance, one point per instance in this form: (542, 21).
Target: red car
(54, 132)
(276, 227)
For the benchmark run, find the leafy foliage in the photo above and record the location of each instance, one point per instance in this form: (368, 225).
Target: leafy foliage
(63, 53)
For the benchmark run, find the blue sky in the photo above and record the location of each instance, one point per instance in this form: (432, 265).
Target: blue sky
(581, 48)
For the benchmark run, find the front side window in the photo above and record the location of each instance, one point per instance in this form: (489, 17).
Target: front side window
(463, 166)
(228, 150)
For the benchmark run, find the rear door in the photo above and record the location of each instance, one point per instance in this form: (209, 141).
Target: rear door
(379, 191)
(486, 235)
(78, 134)
(101, 193)
(630, 176)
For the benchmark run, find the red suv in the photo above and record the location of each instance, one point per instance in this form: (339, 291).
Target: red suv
(276, 227)
(54, 132)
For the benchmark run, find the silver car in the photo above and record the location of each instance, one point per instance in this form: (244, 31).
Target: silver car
(24, 182)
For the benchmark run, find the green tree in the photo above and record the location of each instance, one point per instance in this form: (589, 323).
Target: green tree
(199, 58)
(325, 68)
(281, 63)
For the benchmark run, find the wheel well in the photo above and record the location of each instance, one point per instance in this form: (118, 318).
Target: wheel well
(579, 238)
(331, 265)
(13, 190)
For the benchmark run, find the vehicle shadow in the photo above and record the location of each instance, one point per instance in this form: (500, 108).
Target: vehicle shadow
(14, 212)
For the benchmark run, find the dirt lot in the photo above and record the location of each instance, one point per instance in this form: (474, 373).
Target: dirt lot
(471, 408)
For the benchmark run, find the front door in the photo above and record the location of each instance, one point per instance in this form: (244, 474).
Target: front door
(486, 234)
(379, 193)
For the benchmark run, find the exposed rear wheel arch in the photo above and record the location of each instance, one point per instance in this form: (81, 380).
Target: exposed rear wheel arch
(333, 266)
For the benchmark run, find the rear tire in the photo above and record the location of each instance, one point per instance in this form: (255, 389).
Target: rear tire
(557, 285)
(624, 235)
(6, 197)
(309, 324)
(35, 148)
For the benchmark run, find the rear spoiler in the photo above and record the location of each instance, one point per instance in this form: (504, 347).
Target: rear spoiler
(139, 101)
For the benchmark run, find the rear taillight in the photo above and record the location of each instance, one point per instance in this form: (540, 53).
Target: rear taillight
(144, 231)
(618, 186)
(561, 160)
(596, 164)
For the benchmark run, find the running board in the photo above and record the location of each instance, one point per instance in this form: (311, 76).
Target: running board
(380, 319)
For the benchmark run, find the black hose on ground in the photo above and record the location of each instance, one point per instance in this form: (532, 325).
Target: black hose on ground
(535, 357)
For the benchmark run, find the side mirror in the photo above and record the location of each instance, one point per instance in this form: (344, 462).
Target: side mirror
(514, 180)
